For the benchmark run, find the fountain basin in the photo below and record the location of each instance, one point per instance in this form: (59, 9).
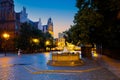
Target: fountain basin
(65, 59)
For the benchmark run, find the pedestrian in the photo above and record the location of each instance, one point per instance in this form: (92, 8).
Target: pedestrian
(19, 52)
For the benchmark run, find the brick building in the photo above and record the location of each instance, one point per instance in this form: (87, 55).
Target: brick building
(7, 23)
(10, 22)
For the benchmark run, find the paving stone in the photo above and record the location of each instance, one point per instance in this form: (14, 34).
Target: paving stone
(15, 69)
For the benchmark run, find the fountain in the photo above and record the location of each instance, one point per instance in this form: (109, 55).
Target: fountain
(65, 58)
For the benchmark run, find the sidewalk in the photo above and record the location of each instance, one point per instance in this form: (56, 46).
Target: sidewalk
(111, 64)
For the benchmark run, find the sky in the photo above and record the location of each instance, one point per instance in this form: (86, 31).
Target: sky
(61, 11)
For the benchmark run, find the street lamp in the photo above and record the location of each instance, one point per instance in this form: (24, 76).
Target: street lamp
(35, 42)
(6, 36)
(47, 43)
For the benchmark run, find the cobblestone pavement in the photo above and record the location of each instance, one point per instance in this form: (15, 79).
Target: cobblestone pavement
(111, 64)
(34, 67)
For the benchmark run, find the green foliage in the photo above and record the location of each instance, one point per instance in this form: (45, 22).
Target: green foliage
(48, 37)
(111, 25)
(25, 38)
(97, 22)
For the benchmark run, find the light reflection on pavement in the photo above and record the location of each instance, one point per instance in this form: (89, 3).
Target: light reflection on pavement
(34, 67)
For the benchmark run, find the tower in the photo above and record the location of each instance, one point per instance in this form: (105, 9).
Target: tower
(23, 16)
(40, 27)
(7, 20)
(50, 26)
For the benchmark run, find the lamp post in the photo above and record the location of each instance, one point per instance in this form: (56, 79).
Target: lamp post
(6, 36)
(36, 42)
(47, 43)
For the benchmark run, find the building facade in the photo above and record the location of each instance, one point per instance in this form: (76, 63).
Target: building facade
(10, 22)
(61, 40)
(7, 22)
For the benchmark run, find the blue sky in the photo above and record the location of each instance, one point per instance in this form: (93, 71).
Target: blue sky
(61, 11)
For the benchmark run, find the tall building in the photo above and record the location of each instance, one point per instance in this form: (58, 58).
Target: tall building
(7, 20)
(50, 26)
(46, 28)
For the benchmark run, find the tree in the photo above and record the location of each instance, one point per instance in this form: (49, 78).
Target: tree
(48, 38)
(110, 10)
(25, 38)
(97, 21)
(86, 23)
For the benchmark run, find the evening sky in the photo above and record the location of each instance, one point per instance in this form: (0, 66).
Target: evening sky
(61, 11)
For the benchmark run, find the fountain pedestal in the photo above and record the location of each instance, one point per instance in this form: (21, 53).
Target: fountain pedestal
(65, 59)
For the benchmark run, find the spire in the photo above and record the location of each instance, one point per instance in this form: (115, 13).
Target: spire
(24, 9)
(23, 15)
